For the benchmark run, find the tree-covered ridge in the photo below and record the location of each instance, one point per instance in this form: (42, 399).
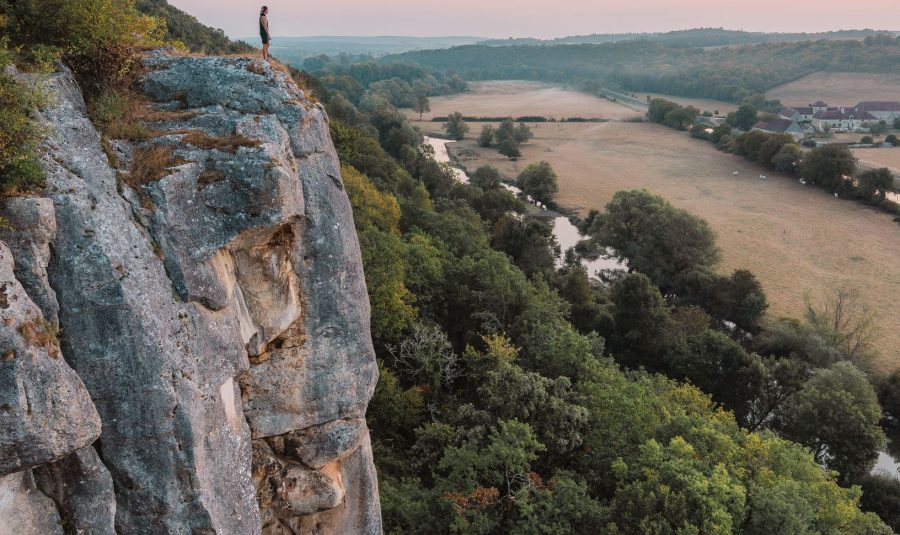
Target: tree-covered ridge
(729, 73)
(518, 398)
(186, 29)
(695, 37)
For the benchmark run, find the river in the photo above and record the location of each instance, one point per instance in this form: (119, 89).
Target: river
(566, 233)
(889, 461)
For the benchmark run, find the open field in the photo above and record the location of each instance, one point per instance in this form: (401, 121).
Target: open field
(702, 104)
(796, 239)
(518, 98)
(838, 89)
(881, 157)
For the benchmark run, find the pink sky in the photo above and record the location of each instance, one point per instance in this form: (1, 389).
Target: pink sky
(539, 18)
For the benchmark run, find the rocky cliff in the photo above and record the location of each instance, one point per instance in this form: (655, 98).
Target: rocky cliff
(187, 351)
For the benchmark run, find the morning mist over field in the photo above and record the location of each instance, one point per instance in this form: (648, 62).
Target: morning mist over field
(537, 18)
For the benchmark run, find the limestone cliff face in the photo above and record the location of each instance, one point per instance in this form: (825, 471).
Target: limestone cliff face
(214, 323)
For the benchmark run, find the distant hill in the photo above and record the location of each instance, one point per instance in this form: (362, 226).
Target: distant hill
(187, 29)
(727, 73)
(295, 49)
(697, 37)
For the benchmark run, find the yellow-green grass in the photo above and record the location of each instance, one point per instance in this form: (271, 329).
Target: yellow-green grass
(520, 98)
(838, 88)
(796, 239)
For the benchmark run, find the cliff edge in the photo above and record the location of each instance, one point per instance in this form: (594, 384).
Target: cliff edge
(214, 360)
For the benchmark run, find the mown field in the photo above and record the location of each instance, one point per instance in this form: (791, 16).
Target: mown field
(880, 157)
(798, 240)
(519, 98)
(838, 89)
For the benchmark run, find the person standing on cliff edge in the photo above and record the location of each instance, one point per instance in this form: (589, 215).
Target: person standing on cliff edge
(264, 30)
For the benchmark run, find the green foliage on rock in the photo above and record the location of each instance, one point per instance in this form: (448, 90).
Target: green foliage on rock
(98, 39)
(20, 135)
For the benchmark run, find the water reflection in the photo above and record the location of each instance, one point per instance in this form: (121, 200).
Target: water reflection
(567, 234)
(889, 461)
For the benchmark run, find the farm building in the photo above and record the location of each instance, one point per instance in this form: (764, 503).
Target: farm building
(841, 119)
(881, 110)
(801, 114)
(780, 126)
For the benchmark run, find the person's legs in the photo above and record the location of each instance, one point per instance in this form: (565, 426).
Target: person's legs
(266, 51)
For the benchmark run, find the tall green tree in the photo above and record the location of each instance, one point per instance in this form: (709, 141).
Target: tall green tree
(745, 116)
(655, 238)
(422, 104)
(539, 180)
(455, 126)
(837, 416)
(828, 166)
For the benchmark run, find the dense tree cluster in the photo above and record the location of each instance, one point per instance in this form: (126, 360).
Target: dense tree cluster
(507, 137)
(402, 84)
(695, 37)
(671, 114)
(503, 405)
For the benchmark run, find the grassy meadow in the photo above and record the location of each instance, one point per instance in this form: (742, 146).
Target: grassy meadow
(798, 240)
(838, 89)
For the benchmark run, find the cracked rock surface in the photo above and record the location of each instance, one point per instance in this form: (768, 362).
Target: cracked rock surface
(217, 317)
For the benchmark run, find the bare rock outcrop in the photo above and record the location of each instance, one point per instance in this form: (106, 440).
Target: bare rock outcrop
(45, 410)
(216, 313)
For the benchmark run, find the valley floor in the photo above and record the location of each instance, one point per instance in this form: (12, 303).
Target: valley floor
(798, 240)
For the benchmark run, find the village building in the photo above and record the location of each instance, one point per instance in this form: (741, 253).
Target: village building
(882, 110)
(841, 119)
(818, 106)
(780, 126)
(801, 114)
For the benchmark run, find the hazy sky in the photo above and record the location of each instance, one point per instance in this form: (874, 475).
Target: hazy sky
(539, 18)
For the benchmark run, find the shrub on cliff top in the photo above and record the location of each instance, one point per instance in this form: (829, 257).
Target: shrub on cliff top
(96, 38)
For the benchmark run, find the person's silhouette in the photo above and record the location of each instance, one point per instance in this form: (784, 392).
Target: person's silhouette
(264, 30)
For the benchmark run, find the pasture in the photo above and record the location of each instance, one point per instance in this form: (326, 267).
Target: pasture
(797, 240)
(519, 98)
(880, 157)
(838, 89)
